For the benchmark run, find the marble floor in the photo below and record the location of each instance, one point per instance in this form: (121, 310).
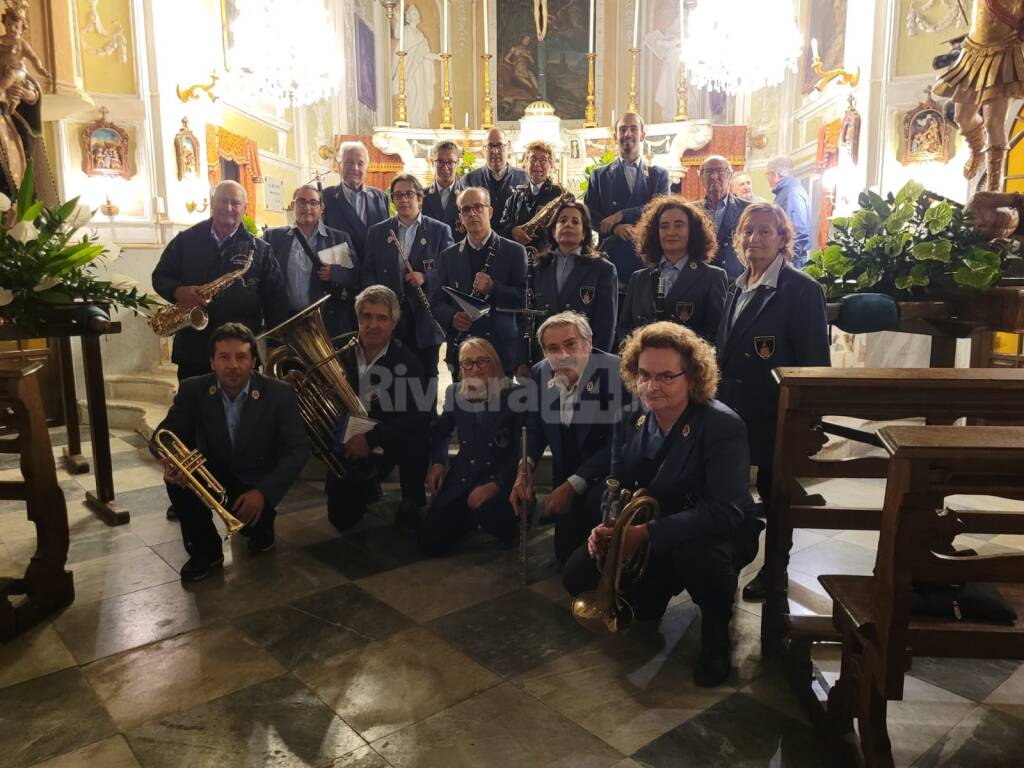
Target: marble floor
(354, 651)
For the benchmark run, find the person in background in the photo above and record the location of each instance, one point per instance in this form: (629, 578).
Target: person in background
(724, 210)
(792, 198)
(439, 198)
(526, 200)
(497, 176)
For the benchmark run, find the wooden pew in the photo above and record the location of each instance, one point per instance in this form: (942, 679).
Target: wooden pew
(873, 613)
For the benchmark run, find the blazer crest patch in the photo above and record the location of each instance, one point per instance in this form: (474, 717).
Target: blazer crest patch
(684, 310)
(586, 294)
(501, 438)
(428, 264)
(764, 346)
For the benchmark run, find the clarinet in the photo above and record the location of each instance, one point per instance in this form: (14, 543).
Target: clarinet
(659, 296)
(530, 321)
(486, 269)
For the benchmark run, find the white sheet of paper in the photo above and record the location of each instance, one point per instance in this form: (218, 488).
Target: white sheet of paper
(337, 255)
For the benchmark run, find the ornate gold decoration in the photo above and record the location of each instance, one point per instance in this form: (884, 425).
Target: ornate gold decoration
(106, 149)
(487, 118)
(401, 118)
(926, 135)
(186, 152)
(590, 116)
(682, 108)
(109, 209)
(840, 75)
(192, 206)
(192, 92)
(446, 94)
(633, 73)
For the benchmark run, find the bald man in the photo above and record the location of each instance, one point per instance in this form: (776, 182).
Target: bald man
(203, 253)
(497, 177)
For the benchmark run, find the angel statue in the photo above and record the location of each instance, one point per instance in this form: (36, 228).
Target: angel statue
(14, 50)
(987, 74)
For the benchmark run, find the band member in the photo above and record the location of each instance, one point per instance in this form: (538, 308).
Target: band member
(497, 177)
(491, 268)
(525, 201)
(306, 277)
(774, 316)
(472, 489)
(677, 241)
(351, 206)
(203, 253)
(422, 239)
(618, 192)
(439, 199)
(249, 429)
(689, 452)
(724, 209)
(388, 379)
(580, 395)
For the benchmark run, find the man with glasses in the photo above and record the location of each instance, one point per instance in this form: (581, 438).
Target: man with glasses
(724, 209)
(617, 193)
(439, 198)
(497, 177)
(580, 395)
(307, 277)
(525, 201)
(352, 206)
(422, 240)
(489, 267)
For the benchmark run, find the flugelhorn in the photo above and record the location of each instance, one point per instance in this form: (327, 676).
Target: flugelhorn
(190, 463)
(171, 318)
(605, 610)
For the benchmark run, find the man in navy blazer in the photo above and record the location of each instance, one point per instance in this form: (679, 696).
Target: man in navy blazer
(306, 277)
(579, 397)
(351, 206)
(439, 198)
(497, 177)
(490, 267)
(422, 240)
(724, 209)
(617, 193)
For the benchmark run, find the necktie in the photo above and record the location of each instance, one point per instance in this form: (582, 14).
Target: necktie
(361, 204)
(630, 176)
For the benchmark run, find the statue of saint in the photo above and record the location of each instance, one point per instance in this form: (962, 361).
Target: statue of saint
(420, 78)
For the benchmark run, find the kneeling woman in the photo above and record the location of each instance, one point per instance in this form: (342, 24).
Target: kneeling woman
(689, 452)
(474, 490)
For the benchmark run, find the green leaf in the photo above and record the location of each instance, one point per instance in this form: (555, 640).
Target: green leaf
(841, 223)
(910, 193)
(815, 271)
(836, 262)
(878, 205)
(933, 250)
(868, 278)
(938, 217)
(865, 224)
(979, 278)
(901, 215)
(25, 192)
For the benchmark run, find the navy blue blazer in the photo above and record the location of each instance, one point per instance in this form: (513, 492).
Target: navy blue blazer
(338, 311)
(726, 257)
(696, 300)
(703, 481)
(340, 215)
(449, 214)
(488, 434)
(508, 271)
(591, 288)
(601, 398)
(785, 326)
(514, 177)
(608, 193)
(383, 266)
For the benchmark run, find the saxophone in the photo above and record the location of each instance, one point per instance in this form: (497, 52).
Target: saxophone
(541, 219)
(171, 318)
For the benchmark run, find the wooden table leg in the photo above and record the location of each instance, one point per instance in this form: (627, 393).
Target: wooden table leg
(102, 501)
(74, 461)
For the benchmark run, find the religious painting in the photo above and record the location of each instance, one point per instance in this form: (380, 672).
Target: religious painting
(542, 55)
(106, 149)
(186, 152)
(826, 23)
(366, 71)
(926, 135)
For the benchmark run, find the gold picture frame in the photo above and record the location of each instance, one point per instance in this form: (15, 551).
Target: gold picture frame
(187, 153)
(106, 149)
(926, 136)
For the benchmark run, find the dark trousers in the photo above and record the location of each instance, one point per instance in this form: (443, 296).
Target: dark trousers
(190, 370)
(428, 357)
(198, 533)
(348, 497)
(446, 524)
(573, 528)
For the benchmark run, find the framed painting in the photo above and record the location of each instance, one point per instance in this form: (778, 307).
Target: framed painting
(826, 23)
(926, 135)
(106, 149)
(366, 68)
(186, 152)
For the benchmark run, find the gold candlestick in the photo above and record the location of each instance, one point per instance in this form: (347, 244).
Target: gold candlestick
(590, 116)
(487, 116)
(446, 94)
(635, 53)
(682, 112)
(401, 118)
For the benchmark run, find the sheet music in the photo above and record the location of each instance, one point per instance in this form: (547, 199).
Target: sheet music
(337, 255)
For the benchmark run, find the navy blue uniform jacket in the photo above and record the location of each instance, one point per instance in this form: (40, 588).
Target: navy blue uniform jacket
(591, 288)
(608, 193)
(383, 266)
(781, 327)
(514, 177)
(703, 481)
(449, 214)
(726, 257)
(340, 215)
(271, 446)
(696, 300)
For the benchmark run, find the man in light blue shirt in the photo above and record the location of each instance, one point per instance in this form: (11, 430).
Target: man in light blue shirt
(792, 198)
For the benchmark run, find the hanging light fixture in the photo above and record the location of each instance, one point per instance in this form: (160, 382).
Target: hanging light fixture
(740, 46)
(285, 53)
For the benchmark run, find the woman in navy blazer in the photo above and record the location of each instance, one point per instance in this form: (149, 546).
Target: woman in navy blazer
(774, 317)
(676, 240)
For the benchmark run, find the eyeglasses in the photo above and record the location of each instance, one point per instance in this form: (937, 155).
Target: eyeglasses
(470, 363)
(495, 145)
(569, 348)
(446, 163)
(661, 379)
(715, 172)
(403, 195)
(466, 210)
(301, 202)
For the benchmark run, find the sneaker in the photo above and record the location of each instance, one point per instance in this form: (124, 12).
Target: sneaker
(260, 544)
(198, 568)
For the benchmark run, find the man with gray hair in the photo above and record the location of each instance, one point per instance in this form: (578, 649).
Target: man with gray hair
(580, 394)
(204, 252)
(792, 198)
(724, 209)
(351, 206)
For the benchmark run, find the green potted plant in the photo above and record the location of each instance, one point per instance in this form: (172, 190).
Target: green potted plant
(908, 245)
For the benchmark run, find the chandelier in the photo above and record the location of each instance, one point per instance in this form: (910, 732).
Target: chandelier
(284, 53)
(740, 46)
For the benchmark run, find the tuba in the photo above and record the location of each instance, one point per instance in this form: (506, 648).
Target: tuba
(541, 219)
(605, 610)
(326, 399)
(200, 480)
(171, 318)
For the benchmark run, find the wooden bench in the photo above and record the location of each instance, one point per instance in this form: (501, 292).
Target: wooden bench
(880, 635)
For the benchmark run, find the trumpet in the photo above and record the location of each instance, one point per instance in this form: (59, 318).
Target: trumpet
(171, 318)
(200, 480)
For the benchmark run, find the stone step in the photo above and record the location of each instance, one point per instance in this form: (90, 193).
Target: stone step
(137, 415)
(152, 387)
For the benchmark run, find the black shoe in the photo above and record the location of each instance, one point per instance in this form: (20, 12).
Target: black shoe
(712, 670)
(171, 514)
(715, 662)
(408, 515)
(260, 544)
(756, 590)
(198, 567)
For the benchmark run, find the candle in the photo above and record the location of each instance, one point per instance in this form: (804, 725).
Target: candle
(814, 47)
(467, 121)
(590, 38)
(613, 121)
(401, 25)
(682, 21)
(446, 48)
(636, 24)
(487, 33)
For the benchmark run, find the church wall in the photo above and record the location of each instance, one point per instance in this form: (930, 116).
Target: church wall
(915, 50)
(105, 35)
